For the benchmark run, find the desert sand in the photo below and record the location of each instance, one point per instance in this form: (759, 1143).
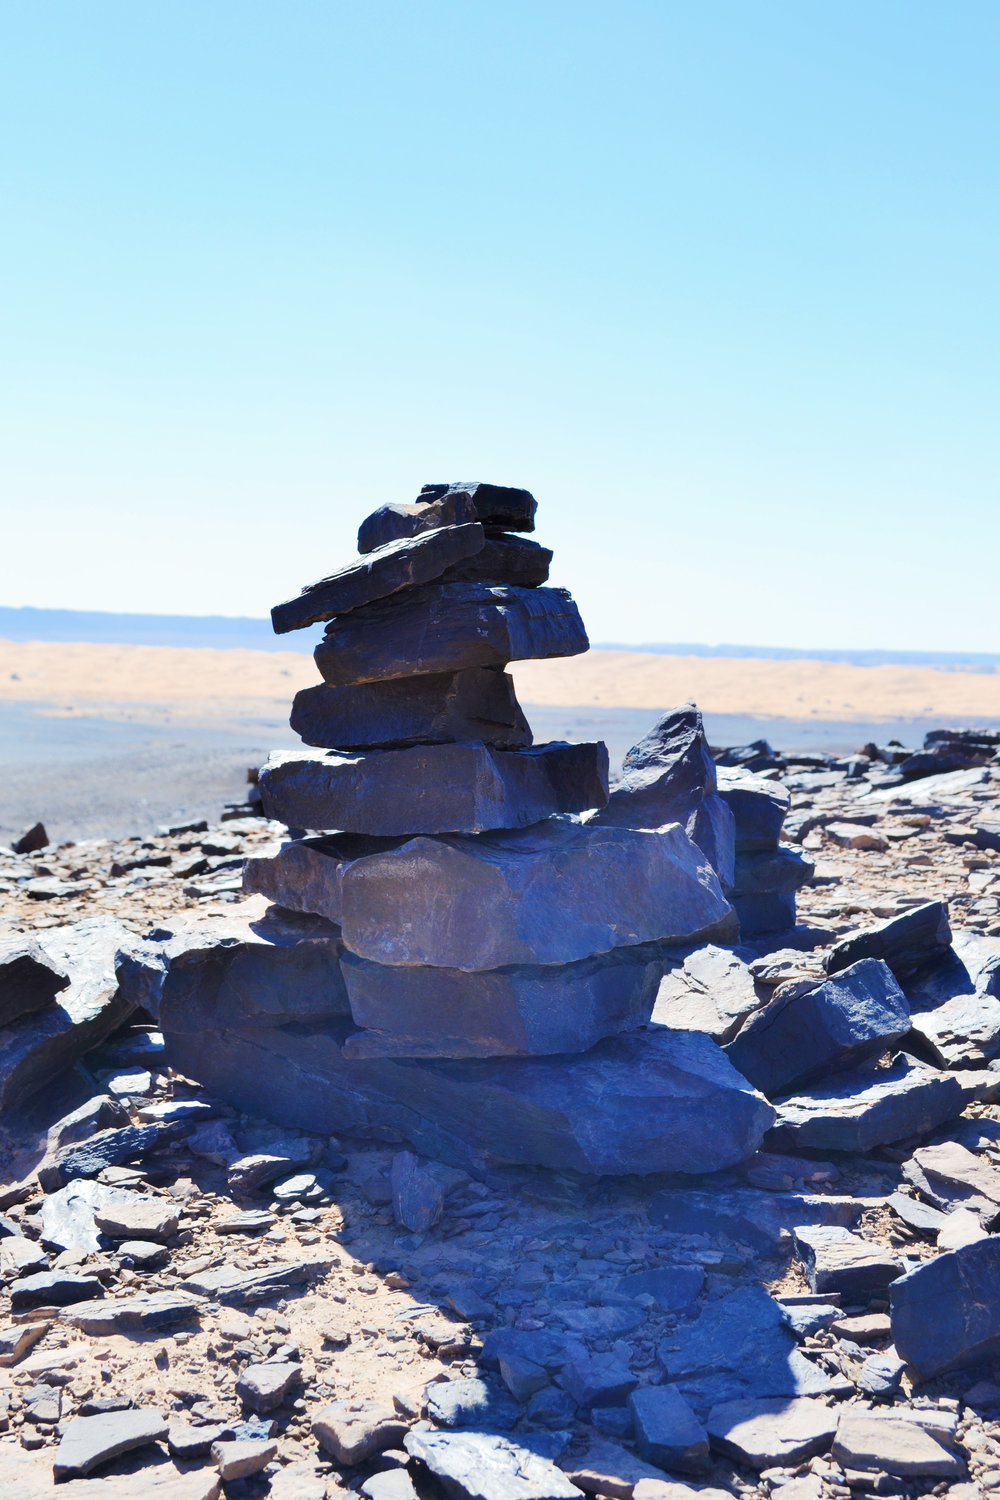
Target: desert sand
(178, 684)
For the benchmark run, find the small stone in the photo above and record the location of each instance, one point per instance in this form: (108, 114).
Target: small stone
(186, 1441)
(264, 1387)
(237, 1460)
(522, 1377)
(390, 1484)
(417, 1198)
(351, 1436)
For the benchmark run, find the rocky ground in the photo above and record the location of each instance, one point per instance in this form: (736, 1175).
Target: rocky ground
(246, 1311)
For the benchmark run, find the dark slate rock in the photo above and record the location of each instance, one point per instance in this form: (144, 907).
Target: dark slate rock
(33, 839)
(505, 559)
(772, 1433)
(471, 1403)
(672, 1288)
(555, 893)
(601, 1380)
(493, 505)
(487, 1466)
(758, 755)
(109, 1148)
(905, 943)
(856, 1015)
(758, 1219)
(771, 872)
(963, 1031)
(67, 1216)
(438, 708)
(836, 1260)
(53, 1289)
(417, 1195)
(97, 1113)
(520, 1011)
(712, 990)
(917, 1214)
(670, 777)
(862, 1110)
(29, 981)
(949, 1176)
(146, 1313)
(235, 1288)
(667, 1432)
(88, 1442)
(740, 1347)
(971, 966)
(641, 1102)
(758, 806)
(467, 788)
(36, 1048)
(763, 914)
(542, 1346)
(946, 1312)
(403, 564)
(447, 628)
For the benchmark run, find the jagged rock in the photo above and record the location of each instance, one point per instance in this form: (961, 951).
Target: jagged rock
(464, 788)
(888, 1444)
(963, 1032)
(667, 1432)
(856, 1015)
(98, 1113)
(106, 1149)
(946, 1313)
(917, 1214)
(37, 1047)
(397, 565)
(521, 1011)
(837, 1261)
(779, 1432)
(601, 1380)
(29, 981)
(240, 1458)
(864, 1109)
(87, 1442)
(446, 628)
(555, 893)
(484, 1466)
(971, 966)
(771, 871)
(353, 1432)
(437, 708)
(53, 1289)
(670, 777)
(235, 1288)
(712, 991)
(758, 806)
(663, 1101)
(905, 943)
(492, 505)
(948, 1175)
(33, 839)
(417, 1197)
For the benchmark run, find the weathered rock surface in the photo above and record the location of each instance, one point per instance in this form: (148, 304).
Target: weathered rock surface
(352, 1432)
(105, 1149)
(493, 505)
(243, 1457)
(396, 565)
(483, 1466)
(523, 1011)
(775, 1432)
(53, 1289)
(946, 1312)
(856, 1015)
(962, 1029)
(264, 1387)
(711, 990)
(905, 943)
(235, 1288)
(437, 708)
(88, 1442)
(836, 1260)
(464, 788)
(667, 1432)
(758, 806)
(866, 1443)
(29, 981)
(67, 1217)
(864, 1109)
(447, 628)
(142, 1218)
(512, 560)
(37, 1047)
(670, 777)
(948, 1176)
(145, 1313)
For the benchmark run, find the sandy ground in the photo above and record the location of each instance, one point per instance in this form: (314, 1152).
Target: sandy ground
(175, 684)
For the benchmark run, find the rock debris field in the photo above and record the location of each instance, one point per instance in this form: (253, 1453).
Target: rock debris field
(665, 1161)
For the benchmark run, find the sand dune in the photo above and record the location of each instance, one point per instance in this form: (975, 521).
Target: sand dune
(181, 683)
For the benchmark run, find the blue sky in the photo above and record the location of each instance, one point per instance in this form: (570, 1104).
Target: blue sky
(718, 282)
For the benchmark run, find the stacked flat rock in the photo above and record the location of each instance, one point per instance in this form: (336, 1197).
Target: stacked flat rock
(767, 873)
(487, 927)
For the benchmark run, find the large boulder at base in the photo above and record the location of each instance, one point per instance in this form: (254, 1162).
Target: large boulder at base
(397, 565)
(438, 708)
(524, 1011)
(946, 1313)
(432, 788)
(759, 807)
(861, 1110)
(446, 628)
(29, 981)
(856, 1015)
(905, 943)
(37, 1047)
(551, 894)
(670, 777)
(497, 506)
(641, 1102)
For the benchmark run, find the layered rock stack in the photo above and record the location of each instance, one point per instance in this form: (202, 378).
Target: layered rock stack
(479, 929)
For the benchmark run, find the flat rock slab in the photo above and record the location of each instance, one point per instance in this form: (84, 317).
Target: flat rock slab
(949, 1176)
(903, 1449)
(53, 1289)
(771, 872)
(838, 1261)
(608, 1469)
(401, 564)
(29, 980)
(17, 1338)
(505, 559)
(87, 1442)
(35, 1048)
(240, 1459)
(776, 1432)
(235, 1288)
(482, 1466)
(447, 628)
(145, 1313)
(471, 1402)
(670, 777)
(963, 1032)
(493, 505)
(905, 943)
(352, 1432)
(758, 806)
(142, 1218)
(759, 1219)
(521, 1011)
(971, 966)
(789, 1041)
(711, 990)
(109, 1148)
(437, 708)
(555, 893)
(667, 1432)
(466, 788)
(946, 1313)
(861, 1110)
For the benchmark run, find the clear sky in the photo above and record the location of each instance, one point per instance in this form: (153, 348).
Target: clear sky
(717, 281)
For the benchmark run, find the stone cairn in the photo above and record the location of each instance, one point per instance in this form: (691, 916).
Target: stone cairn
(468, 932)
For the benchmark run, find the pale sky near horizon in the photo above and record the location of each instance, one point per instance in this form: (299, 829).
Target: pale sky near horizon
(718, 282)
